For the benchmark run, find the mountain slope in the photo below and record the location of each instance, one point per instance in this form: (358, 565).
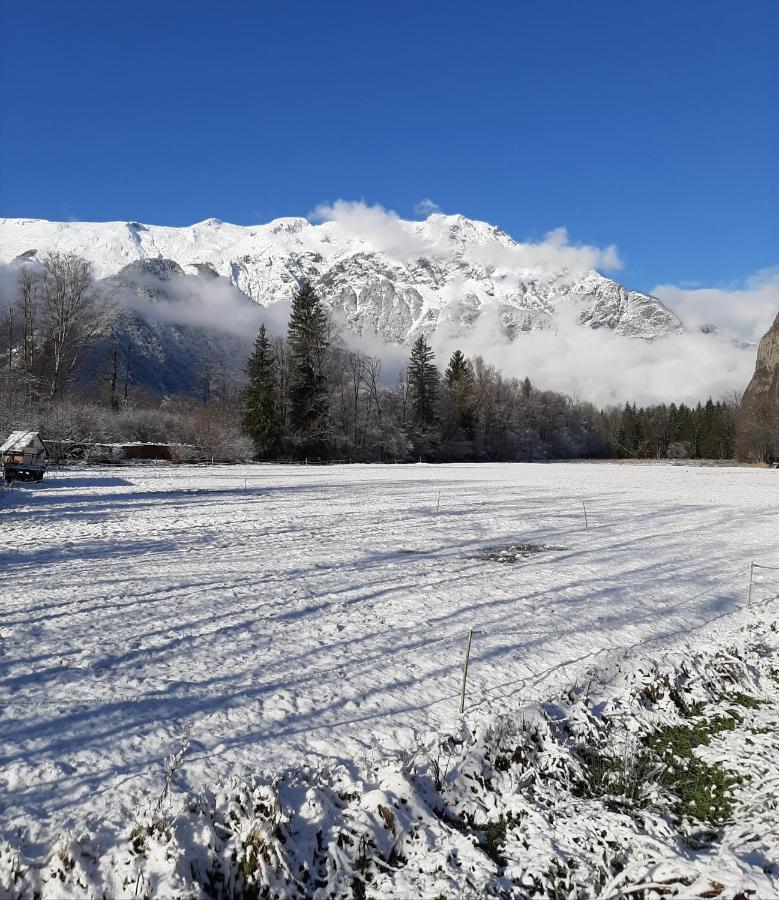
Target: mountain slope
(405, 278)
(166, 354)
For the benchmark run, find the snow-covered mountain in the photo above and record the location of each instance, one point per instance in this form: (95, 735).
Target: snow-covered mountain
(169, 353)
(443, 273)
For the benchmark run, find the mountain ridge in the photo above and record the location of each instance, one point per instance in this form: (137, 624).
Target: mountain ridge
(394, 279)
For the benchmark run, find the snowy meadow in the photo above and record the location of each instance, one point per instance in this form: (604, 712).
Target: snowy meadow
(250, 620)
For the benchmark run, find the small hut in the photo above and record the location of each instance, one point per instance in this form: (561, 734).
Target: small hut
(24, 456)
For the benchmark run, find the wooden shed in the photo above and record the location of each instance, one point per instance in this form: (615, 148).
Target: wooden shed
(24, 456)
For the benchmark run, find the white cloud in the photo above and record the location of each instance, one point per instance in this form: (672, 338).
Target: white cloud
(745, 311)
(383, 230)
(553, 254)
(426, 207)
(606, 368)
(380, 229)
(201, 302)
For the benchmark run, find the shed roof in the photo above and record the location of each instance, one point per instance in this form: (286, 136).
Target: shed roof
(21, 440)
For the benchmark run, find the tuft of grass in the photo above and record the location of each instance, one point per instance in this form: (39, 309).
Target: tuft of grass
(622, 779)
(503, 762)
(493, 838)
(688, 710)
(254, 850)
(746, 700)
(703, 790)
(559, 876)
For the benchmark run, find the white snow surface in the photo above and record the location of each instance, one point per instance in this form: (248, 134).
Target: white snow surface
(406, 278)
(275, 616)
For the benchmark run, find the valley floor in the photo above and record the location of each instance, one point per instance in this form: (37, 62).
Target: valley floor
(249, 619)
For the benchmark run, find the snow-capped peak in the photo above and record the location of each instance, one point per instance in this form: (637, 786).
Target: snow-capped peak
(379, 274)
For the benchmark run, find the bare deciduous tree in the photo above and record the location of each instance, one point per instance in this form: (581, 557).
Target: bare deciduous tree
(372, 377)
(355, 367)
(29, 289)
(281, 354)
(73, 317)
(10, 334)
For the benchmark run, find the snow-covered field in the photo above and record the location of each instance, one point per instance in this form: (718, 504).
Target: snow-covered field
(275, 616)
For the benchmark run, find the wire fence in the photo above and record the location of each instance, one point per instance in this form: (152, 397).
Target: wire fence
(470, 641)
(622, 648)
(482, 638)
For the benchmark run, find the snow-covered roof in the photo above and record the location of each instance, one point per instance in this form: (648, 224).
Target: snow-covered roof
(21, 440)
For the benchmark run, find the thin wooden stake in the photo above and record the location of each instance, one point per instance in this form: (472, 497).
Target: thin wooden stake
(465, 670)
(586, 523)
(438, 504)
(751, 576)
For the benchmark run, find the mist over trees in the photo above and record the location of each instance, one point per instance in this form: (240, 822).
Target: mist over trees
(339, 410)
(307, 395)
(52, 319)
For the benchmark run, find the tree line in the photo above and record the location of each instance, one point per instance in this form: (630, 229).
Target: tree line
(704, 431)
(308, 395)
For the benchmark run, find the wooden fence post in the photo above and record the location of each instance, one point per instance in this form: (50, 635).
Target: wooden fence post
(751, 576)
(465, 670)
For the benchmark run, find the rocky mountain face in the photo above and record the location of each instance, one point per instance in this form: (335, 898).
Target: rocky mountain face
(758, 432)
(764, 386)
(445, 273)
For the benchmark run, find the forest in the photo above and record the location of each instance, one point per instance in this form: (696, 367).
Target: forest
(307, 395)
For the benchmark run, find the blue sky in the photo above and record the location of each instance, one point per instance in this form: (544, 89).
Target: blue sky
(651, 126)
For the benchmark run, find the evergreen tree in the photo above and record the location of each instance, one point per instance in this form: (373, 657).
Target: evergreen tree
(458, 371)
(628, 435)
(462, 389)
(260, 403)
(308, 337)
(707, 447)
(423, 382)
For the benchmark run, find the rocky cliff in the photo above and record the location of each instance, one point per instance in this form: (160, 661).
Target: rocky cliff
(759, 415)
(764, 386)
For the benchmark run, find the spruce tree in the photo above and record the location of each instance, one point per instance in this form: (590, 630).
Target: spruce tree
(458, 371)
(308, 337)
(260, 402)
(707, 448)
(423, 381)
(462, 389)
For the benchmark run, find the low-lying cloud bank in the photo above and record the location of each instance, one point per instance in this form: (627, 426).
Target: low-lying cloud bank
(744, 311)
(606, 368)
(208, 303)
(213, 304)
(714, 358)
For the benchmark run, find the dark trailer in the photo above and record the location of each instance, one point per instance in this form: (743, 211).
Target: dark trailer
(24, 457)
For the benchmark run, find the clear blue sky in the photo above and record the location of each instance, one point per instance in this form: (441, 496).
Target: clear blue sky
(654, 126)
